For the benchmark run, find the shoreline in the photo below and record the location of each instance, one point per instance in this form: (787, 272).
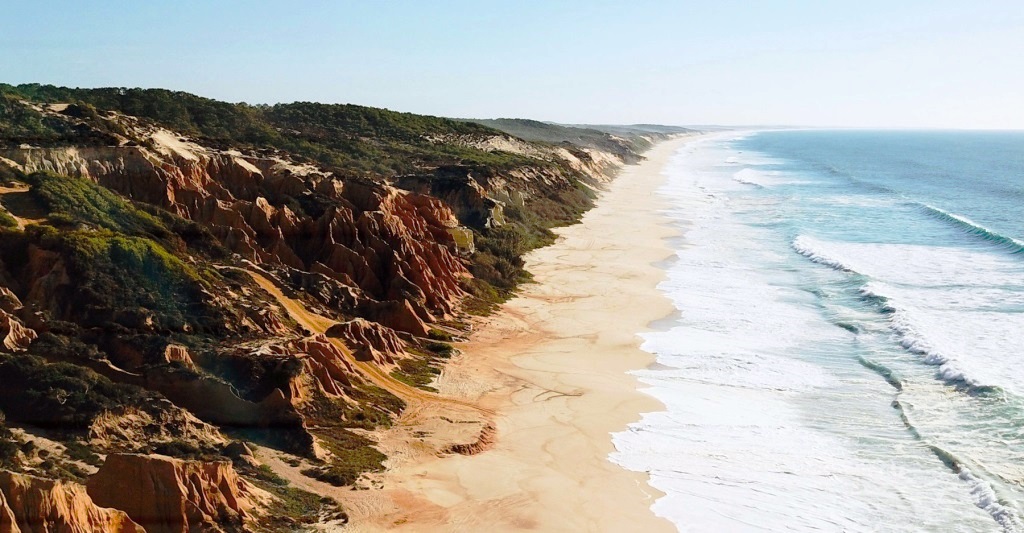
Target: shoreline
(553, 363)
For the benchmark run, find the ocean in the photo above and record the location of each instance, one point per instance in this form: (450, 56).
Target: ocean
(848, 352)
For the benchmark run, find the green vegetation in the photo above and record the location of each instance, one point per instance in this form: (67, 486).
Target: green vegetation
(6, 220)
(19, 455)
(10, 445)
(78, 200)
(417, 371)
(182, 449)
(373, 407)
(22, 124)
(626, 142)
(424, 364)
(439, 335)
(77, 451)
(123, 258)
(573, 137)
(370, 407)
(292, 508)
(344, 137)
(267, 474)
(440, 349)
(132, 281)
(352, 454)
(60, 395)
(498, 266)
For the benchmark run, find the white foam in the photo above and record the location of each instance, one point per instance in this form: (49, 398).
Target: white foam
(770, 424)
(986, 499)
(750, 176)
(819, 252)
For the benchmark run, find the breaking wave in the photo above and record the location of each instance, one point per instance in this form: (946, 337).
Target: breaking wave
(812, 249)
(901, 320)
(971, 227)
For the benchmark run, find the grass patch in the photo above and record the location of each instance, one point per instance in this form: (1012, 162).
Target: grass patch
(81, 200)
(78, 451)
(6, 220)
(440, 349)
(293, 508)
(423, 364)
(267, 474)
(417, 372)
(353, 455)
(440, 335)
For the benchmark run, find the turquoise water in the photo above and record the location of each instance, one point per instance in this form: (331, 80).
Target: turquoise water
(848, 352)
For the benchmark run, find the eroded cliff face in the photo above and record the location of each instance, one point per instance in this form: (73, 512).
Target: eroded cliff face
(388, 252)
(150, 334)
(389, 244)
(166, 495)
(33, 504)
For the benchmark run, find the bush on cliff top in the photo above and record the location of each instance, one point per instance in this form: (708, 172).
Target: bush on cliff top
(81, 200)
(6, 220)
(60, 395)
(346, 137)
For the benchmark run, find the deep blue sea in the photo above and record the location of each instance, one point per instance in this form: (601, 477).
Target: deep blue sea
(849, 349)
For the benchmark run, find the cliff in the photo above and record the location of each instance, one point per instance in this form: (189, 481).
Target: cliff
(167, 495)
(180, 269)
(29, 503)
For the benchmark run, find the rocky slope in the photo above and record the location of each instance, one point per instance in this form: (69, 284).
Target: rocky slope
(179, 275)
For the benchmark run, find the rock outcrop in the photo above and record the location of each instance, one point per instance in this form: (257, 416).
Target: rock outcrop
(8, 522)
(33, 504)
(16, 337)
(130, 428)
(373, 341)
(175, 353)
(323, 366)
(167, 495)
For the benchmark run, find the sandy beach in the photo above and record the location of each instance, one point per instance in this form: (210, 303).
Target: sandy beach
(552, 365)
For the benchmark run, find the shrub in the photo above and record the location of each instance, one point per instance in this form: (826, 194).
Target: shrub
(60, 394)
(6, 220)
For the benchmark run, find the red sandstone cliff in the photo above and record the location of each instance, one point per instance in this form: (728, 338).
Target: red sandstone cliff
(388, 244)
(168, 495)
(33, 504)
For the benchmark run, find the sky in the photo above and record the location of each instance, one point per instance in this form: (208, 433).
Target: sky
(866, 63)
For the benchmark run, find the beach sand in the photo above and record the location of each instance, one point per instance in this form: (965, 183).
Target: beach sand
(551, 369)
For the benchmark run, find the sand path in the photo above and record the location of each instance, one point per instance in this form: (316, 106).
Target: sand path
(319, 324)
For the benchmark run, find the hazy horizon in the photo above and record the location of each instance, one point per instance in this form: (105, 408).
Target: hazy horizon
(919, 65)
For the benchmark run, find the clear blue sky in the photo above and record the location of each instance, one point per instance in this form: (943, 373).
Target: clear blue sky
(893, 63)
